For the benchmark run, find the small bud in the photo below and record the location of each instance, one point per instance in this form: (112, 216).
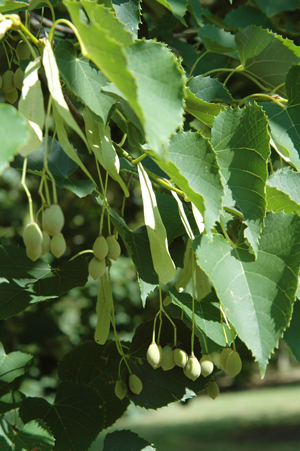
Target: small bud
(193, 368)
(135, 384)
(167, 362)
(96, 268)
(180, 357)
(233, 364)
(207, 365)
(213, 389)
(154, 355)
(53, 219)
(100, 247)
(114, 249)
(58, 245)
(32, 235)
(120, 389)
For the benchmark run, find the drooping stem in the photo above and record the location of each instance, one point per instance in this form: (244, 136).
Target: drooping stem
(23, 183)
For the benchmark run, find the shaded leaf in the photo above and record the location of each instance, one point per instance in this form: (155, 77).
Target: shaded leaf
(33, 435)
(266, 56)
(272, 7)
(257, 295)
(217, 40)
(246, 15)
(204, 111)
(76, 409)
(126, 441)
(96, 366)
(241, 141)
(292, 333)
(283, 192)
(13, 365)
(208, 89)
(129, 13)
(177, 7)
(11, 400)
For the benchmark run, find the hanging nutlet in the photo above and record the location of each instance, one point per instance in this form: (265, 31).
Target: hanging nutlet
(135, 384)
(193, 368)
(207, 365)
(96, 268)
(53, 219)
(213, 389)
(167, 362)
(180, 357)
(114, 249)
(100, 247)
(223, 357)
(120, 389)
(154, 355)
(233, 364)
(58, 245)
(32, 235)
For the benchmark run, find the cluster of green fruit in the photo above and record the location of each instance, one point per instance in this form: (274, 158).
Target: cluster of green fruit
(230, 361)
(38, 242)
(134, 383)
(103, 248)
(10, 82)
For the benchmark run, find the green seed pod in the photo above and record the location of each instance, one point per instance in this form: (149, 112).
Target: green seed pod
(53, 219)
(154, 355)
(100, 247)
(213, 389)
(34, 252)
(223, 357)
(207, 365)
(167, 362)
(135, 384)
(96, 268)
(18, 78)
(114, 249)
(180, 357)
(233, 364)
(120, 389)
(45, 243)
(22, 50)
(58, 245)
(8, 81)
(32, 235)
(193, 368)
(0, 82)
(12, 96)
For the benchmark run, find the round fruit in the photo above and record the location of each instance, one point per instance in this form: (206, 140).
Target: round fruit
(32, 235)
(213, 389)
(167, 362)
(120, 389)
(207, 365)
(58, 245)
(8, 81)
(96, 268)
(23, 52)
(53, 220)
(18, 78)
(100, 247)
(114, 249)
(12, 96)
(233, 364)
(45, 243)
(34, 252)
(193, 368)
(223, 357)
(154, 355)
(135, 384)
(180, 357)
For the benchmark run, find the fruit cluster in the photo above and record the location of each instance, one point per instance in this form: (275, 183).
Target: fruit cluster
(38, 242)
(134, 383)
(103, 248)
(10, 82)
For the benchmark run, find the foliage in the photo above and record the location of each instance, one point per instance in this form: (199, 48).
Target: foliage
(198, 113)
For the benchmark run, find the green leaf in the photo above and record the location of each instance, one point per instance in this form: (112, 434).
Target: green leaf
(283, 192)
(161, 387)
(129, 13)
(267, 56)
(246, 15)
(257, 295)
(11, 5)
(31, 106)
(78, 366)
(177, 7)
(76, 409)
(11, 400)
(136, 69)
(217, 40)
(24, 282)
(208, 89)
(126, 441)
(84, 79)
(204, 111)
(14, 131)
(13, 365)
(32, 435)
(292, 333)
(284, 122)
(207, 317)
(193, 166)
(272, 7)
(241, 141)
